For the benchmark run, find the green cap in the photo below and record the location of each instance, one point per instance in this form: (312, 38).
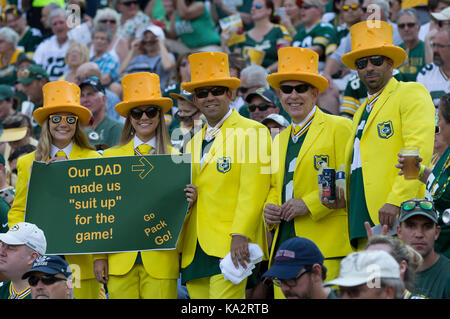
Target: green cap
(418, 210)
(6, 92)
(31, 73)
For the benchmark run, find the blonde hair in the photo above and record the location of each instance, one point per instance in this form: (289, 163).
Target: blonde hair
(162, 134)
(45, 141)
(84, 52)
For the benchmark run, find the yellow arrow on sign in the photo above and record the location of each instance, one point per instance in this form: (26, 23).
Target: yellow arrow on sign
(144, 168)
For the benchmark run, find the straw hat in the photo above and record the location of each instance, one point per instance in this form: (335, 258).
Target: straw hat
(142, 88)
(210, 69)
(61, 96)
(298, 64)
(372, 38)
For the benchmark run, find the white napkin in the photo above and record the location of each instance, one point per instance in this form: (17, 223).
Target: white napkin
(237, 275)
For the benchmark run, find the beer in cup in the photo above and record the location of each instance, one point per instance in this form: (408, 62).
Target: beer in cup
(411, 162)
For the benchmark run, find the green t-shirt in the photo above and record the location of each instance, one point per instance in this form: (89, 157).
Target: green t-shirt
(322, 34)
(107, 132)
(415, 61)
(30, 40)
(276, 36)
(7, 291)
(4, 209)
(437, 190)
(434, 282)
(198, 32)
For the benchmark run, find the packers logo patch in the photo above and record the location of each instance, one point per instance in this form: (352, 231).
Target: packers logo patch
(319, 159)
(385, 129)
(224, 164)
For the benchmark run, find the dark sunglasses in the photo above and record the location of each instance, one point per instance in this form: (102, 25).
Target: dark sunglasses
(409, 25)
(306, 6)
(183, 64)
(412, 204)
(185, 118)
(216, 91)
(151, 112)
(112, 21)
(257, 6)
(301, 88)
(376, 60)
(46, 280)
(130, 3)
(261, 107)
(288, 282)
(70, 119)
(441, 23)
(437, 129)
(353, 7)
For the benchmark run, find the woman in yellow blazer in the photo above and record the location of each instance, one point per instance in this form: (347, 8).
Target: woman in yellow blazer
(147, 274)
(61, 118)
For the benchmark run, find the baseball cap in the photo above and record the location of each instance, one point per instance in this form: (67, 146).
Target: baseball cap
(6, 92)
(362, 267)
(94, 82)
(31, 73)
(157, 31)
(444, 15)
(26, 234)
(418, 206)
(49, 264)
(279, 119)
(292, 256)
(266, 94)
(184, 95)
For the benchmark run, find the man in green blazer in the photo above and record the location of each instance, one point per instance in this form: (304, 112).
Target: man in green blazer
(394, 115)
(294, 207)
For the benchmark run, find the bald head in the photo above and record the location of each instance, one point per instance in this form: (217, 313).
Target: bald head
(86, 70)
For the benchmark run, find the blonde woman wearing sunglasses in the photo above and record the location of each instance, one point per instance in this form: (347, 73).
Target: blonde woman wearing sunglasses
(146, 274)
(61, 118)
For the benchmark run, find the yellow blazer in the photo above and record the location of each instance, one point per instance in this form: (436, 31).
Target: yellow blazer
(326, 138)
(17, 211)
(159, 264)
(403, 116)
(232, 185)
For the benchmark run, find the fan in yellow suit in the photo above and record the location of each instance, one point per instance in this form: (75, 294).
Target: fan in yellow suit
(147, 274)
(294, 207)
(231, 169)
(62, 137)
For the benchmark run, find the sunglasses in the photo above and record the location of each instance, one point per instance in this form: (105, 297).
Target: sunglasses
(130, 3)
(185, 118)
(70, 119)
(437, 129)
(306, 7)
(216, 91)
(261, 107)
(151, 112)
(441, 23)
(288, 282)
(353, 7)
(112, 21)
(376, 60)
(46, 280)
(257, 6)
(412, 204)
(301, 88)
(409, 25)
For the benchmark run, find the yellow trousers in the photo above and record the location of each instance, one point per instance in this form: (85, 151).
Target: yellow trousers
(332, 265)
(215, 287)
(87, 289)
(138, 284)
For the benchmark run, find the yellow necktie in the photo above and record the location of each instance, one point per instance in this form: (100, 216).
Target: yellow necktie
(60, 154)
(144, 149)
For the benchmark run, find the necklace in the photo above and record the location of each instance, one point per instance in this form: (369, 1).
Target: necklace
(436, 181)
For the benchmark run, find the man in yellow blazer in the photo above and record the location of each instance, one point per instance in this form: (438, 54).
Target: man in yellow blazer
(395, 115)
(231, 169)
(294, 207)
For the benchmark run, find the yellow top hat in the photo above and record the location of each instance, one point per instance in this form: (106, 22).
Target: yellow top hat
(298, 64)
(141, 89)
(61, 96)
(210, 69)
(372, 38)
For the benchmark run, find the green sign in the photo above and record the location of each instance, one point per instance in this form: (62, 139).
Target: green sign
(110, 204)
